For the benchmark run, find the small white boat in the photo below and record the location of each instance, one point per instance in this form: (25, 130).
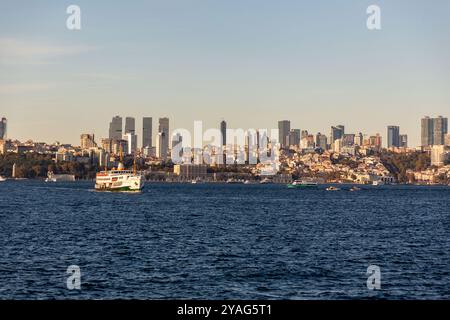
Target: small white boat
(197, 180)
(354, 188)
(331, 188)
(2, 179)
(266, 181)
(378, 183)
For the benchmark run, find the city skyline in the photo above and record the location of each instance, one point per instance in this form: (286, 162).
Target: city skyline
(434, 131)
(207, 61)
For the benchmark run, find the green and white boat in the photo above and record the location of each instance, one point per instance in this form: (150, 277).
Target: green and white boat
(303, 184)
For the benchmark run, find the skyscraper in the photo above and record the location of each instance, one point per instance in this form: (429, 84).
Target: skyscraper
(87, 141)
(393, 133)
(162, 146)
(294, 137)
(359, 139)
(321, 141)
(404, 141)
(115, 128)
(433, 131)
(147, 128)
(3, 128)
(284, 127)
(337, 133)
(348, 139)
(130, 125)
(131, 139)
(426, 132)
(223, 133)
(440, 129)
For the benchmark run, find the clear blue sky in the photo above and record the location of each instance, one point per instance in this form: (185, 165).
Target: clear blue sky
(251, 62)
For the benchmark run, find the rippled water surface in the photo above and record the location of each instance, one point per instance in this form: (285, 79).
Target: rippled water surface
(223, 241)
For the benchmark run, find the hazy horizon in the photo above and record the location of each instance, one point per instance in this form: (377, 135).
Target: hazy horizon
(251, 63)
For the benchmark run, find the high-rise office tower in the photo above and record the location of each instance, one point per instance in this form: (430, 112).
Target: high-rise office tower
(348, 139)
(223, 133)
(87, 141)
(130, 125)
(294, 137)
(321, 141)
(359, 139)
(3, 128)
(147, 127)
(337, 133)
(176, 139)
(115, 128)
(433, 131)
(284, 127)
(303, 134)
(440, 129)
(404, 141)
(426, 132)
(131, 139)
(162, 146)
(447, 139)
(393, 133)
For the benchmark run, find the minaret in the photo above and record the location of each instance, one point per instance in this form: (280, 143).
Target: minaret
(14, 171)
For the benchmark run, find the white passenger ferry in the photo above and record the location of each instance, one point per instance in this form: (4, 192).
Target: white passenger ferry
(119, 180)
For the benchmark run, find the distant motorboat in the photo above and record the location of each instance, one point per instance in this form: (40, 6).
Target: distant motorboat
(354, 188)
(51, 177)
(378, 183)
(331, 188)
(266, 181)
(232, 180)
(196, 180)
(2, 179)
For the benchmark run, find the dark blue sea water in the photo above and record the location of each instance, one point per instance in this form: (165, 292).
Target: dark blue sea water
(223, 241)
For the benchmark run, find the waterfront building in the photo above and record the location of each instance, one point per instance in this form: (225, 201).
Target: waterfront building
(115, 128)
(438, 155)
(147, 129)
(190, 171)
(63, 155)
